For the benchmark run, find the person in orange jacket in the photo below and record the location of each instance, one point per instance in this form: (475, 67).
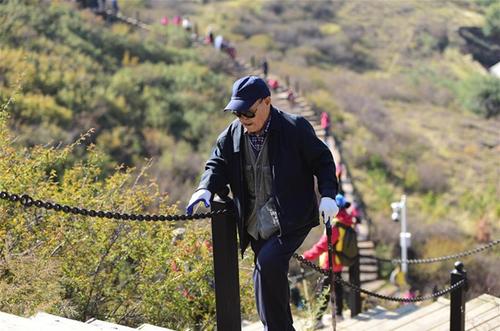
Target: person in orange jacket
(320, 249)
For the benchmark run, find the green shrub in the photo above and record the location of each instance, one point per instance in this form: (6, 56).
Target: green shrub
(481, 94)
(492, 25)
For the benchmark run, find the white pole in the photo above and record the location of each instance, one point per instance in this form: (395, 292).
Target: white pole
(403, 235)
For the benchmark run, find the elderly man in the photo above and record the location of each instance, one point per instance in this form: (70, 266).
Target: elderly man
(269, 159)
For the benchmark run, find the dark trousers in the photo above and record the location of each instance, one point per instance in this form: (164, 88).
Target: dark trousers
(272, 292)
(323, 293)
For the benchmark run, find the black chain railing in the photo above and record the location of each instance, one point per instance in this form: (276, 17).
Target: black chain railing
(27, 201)
(325, 272)
(435, 259)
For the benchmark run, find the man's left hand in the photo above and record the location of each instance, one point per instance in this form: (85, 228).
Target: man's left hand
(328, 208)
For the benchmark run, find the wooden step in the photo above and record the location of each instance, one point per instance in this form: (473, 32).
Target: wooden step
(367, 261)
(366, 244)
(478, 311)
(367, 251)
(367, 315)
(368, 268)
(364, 277)
(375, 285)
(374, 322)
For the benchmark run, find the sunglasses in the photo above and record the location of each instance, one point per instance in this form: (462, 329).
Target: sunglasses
(246, 113)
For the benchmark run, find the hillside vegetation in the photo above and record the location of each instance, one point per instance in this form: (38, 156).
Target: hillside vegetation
(145, 95)
(84, 105)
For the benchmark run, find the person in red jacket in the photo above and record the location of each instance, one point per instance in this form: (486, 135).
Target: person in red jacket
(320, 249)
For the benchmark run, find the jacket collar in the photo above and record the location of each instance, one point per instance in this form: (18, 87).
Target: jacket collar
(239, 129)
(275, 119)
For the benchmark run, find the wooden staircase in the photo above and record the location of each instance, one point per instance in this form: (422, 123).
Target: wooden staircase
(482, 313)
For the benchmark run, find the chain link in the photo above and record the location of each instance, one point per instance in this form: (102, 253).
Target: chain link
(325, 272)
(435, 259)
(28, 201)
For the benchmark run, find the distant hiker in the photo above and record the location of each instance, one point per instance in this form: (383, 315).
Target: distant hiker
(177, 20)
(265, 67)
(252, 61)
(356, 214)
(186, 24)
(410, 294)
(325, 124)
(209, 37)
(273, 84)
(269, 159)
(218, 42)
(320, 249)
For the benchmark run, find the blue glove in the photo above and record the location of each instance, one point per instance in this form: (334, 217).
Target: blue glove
(197, 197)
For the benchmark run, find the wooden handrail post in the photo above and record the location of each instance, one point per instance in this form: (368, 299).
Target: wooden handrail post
(457, 300)
(225, 251)
(354, 301)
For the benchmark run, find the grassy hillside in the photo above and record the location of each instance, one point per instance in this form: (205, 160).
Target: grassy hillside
(405, 100)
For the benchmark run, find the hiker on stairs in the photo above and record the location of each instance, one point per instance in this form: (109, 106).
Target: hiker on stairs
(269, 159)
(320, 249)
(325, 124)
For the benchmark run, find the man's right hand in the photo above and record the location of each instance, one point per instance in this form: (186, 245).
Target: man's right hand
(197, 197)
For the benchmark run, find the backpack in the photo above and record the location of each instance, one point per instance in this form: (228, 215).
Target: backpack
(346, 247)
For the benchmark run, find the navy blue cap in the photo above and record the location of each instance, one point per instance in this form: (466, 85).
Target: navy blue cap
(246, 91)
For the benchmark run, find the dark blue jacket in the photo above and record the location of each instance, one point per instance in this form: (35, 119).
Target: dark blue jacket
(296, 154)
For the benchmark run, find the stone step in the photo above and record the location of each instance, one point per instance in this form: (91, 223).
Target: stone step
(149, 327)
(108, 326)
(10, 322)
(56, 323)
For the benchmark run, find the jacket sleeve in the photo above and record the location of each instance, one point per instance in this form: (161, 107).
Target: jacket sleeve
(320, 247)
(319, 159)
(215, 177)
